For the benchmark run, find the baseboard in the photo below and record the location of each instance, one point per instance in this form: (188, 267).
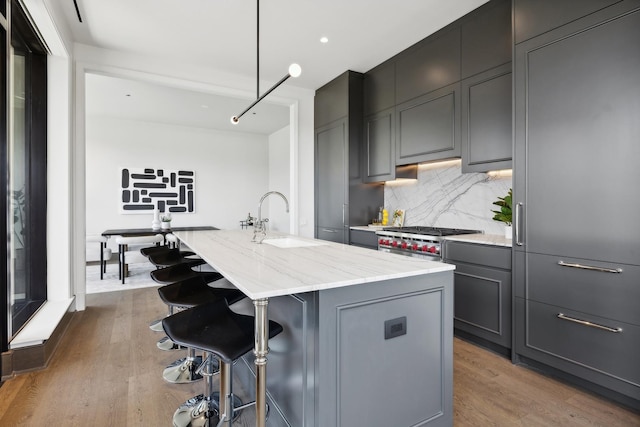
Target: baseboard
(32, 358)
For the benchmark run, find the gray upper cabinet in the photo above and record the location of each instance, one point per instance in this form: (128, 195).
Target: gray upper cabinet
(486, 38)
(331, 102)
(379, 88)
(486, 121)
(430, 64)
(379, 140)
(534, 17)
(428, 127)
(413, 106)
(379, 123)
(341, 197)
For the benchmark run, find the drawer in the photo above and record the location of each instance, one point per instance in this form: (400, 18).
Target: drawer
(367, 239)
(332, 234)
(611, 295)
(598, 355)
(487, 255)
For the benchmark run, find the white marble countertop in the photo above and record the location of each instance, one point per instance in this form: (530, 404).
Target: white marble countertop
(264, 270)
(481, 239)
(372, 228)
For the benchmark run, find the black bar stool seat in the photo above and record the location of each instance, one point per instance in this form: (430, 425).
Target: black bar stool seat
(162, 249)
(216, 329)
(180, 272)
(186, 294)
(173, 257)
(173, 274)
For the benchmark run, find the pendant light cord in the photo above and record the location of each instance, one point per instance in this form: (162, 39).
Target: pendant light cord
(257, 49)
(294, 71)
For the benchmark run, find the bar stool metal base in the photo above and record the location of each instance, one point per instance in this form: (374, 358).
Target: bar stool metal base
(166, 344)
(202, 412)
(156, 325)
(183, 371)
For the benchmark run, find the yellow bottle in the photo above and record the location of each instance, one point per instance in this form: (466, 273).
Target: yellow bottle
(385, 217)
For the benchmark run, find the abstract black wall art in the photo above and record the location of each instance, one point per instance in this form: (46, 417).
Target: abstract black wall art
(142, 190)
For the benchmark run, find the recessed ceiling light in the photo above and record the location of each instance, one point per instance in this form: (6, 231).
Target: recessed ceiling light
(204, 106)
(324, 40)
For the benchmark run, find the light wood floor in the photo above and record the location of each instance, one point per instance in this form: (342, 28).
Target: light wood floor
(107, 372)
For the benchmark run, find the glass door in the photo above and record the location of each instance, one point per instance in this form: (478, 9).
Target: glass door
(24, 169)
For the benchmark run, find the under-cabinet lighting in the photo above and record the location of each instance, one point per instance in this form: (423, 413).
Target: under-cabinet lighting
(441, 164)
(504, 173)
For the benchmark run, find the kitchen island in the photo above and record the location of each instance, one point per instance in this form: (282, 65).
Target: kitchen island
(367, 335)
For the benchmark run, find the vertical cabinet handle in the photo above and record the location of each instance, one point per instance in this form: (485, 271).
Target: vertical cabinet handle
(517, 220)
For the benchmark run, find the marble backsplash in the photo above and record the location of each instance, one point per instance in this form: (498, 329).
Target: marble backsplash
(443, 196)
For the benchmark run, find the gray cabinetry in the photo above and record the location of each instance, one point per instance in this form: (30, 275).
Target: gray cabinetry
(430, 64)
(341, 197)
(428, 127)
(486, 120)
(331, 181)
(534, 17)
(486, 38)
(404, 324)
(577, 240)
(482, 293)
(380, 88)
(412, 105)
(379, 140)
(363, 238)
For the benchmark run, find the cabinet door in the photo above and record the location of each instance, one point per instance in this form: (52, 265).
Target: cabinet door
(429, 65)
(482, 299)
(380, 88)
(379, 146)
(331, 174)
(486, 38)
(577, 128)
(534, 17)
(428, 128)
(332, 101)
(486, 121)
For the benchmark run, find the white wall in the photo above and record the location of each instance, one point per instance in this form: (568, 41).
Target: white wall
(279, 180)
(189, 76)
(231, 170)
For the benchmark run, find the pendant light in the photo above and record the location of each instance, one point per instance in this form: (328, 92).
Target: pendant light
(294, 71)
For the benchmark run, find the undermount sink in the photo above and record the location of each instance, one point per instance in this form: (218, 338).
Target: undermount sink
(290, 242)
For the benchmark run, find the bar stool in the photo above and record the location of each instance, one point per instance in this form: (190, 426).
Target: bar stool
(170, 257)
(179, 272)
(174, 274)
(216, 329)
(187, 294)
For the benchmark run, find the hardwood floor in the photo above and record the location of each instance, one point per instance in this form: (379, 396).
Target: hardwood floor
(106, 372)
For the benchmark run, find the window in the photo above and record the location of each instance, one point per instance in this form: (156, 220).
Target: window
(23, 155)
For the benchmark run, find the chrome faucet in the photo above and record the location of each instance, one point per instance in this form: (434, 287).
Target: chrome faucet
(259, 226)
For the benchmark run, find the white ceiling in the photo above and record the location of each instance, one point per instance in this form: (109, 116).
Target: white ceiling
(221, 35)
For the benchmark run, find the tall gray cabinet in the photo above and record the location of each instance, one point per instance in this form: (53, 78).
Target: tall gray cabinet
(342, 199)
(576, 265)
